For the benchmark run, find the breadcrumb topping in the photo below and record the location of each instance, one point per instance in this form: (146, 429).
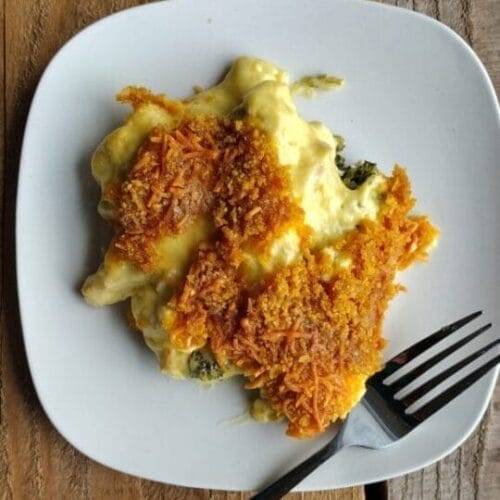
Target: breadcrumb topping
(224, 169)
(308, 333)
(138, 96)
(304, 340)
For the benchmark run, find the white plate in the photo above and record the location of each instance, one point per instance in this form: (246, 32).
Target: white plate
(415, 94)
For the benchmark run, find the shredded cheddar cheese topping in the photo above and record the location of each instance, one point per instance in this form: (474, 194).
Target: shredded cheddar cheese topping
(222, 168)
(305, 334)
(311, 330)
(309, 334)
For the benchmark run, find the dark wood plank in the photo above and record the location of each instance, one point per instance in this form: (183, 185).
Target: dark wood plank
(3, 453)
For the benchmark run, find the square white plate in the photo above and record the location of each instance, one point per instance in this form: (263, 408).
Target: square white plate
(415, 94)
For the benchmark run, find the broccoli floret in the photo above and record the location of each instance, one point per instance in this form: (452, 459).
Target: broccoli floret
(203, 366)
(355, 175)
(341, 163)
(340, 142)
(352, 175)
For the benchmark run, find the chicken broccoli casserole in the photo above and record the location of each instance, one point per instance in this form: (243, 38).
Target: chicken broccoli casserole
(247, 246)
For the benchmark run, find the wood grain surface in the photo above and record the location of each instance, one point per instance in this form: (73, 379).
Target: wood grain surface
(37, 463)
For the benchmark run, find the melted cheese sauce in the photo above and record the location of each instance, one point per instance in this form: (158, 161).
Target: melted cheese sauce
(307, 149)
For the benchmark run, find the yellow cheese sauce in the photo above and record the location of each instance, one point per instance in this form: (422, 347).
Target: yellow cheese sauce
(261, 91)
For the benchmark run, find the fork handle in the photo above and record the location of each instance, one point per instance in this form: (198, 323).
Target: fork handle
(283, 485)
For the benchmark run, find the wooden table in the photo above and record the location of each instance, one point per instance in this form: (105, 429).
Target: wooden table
(35, 462)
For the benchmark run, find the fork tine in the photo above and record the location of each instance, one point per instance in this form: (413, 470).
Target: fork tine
(441, 377)
(455, 390)
(426, 365)
(416, 349)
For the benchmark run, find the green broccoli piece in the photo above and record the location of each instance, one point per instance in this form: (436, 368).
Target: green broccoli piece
(340, 142)
(203, 366)
(355, 175)
(341, 164)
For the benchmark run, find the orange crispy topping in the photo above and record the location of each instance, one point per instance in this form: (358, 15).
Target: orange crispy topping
(311, 331)
(208, 299)
(169, 185)
(138, 96)
(303, 338)
(223, 169)
(252, 206)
